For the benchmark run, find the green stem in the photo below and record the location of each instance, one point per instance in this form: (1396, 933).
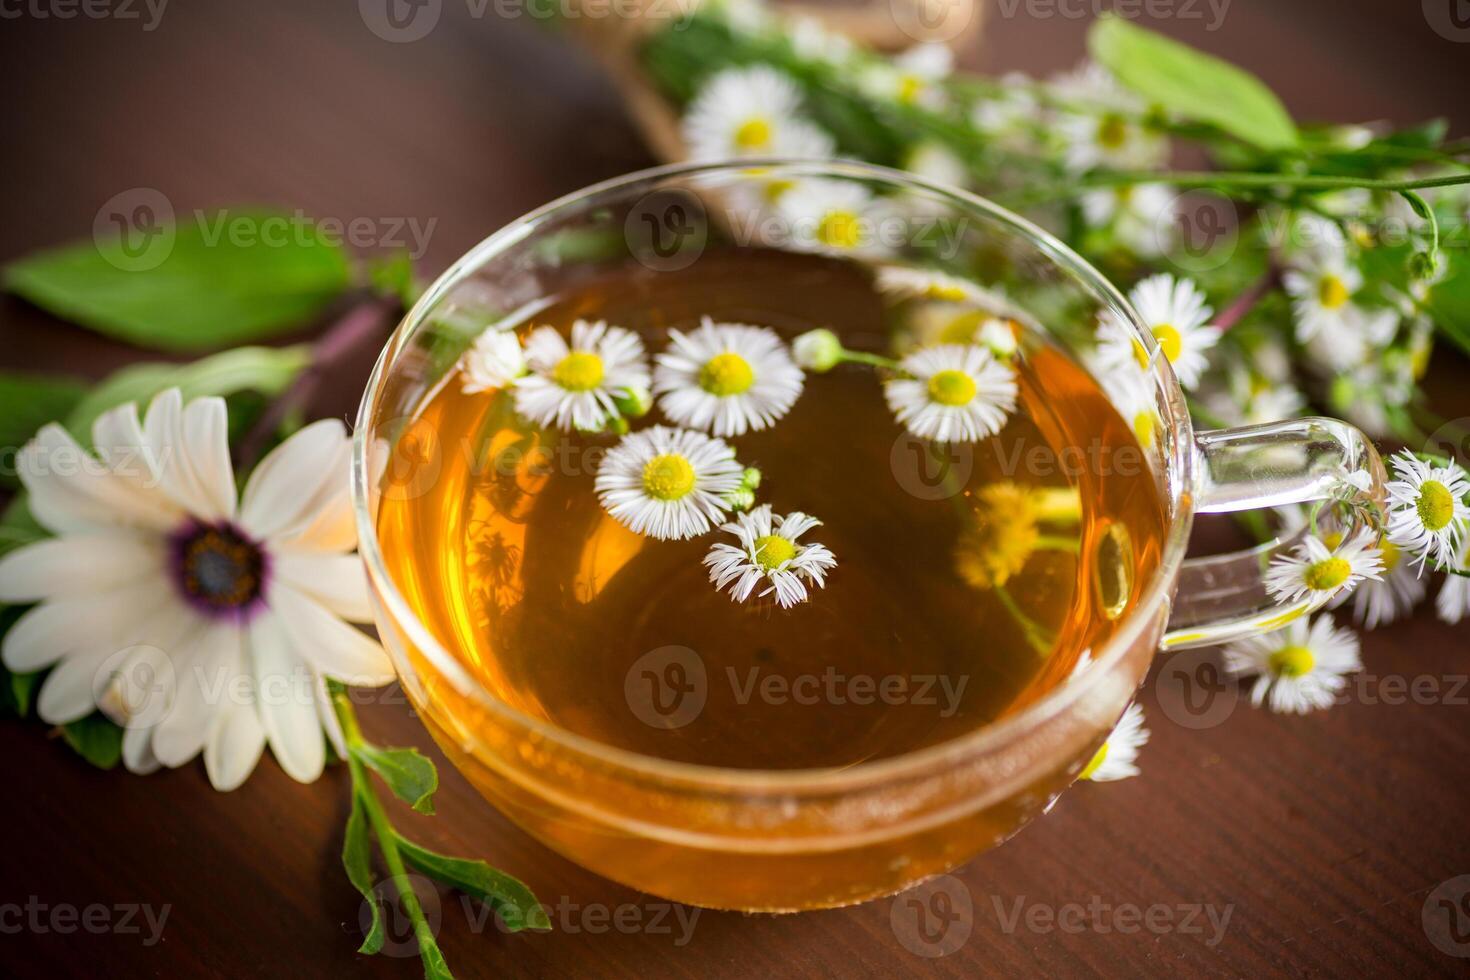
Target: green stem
(1036, 635)
(382, 828)
(1225, 178)
(1054, 542)
(873, 360)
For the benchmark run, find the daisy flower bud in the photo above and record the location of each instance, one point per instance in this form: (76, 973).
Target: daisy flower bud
(817, 350)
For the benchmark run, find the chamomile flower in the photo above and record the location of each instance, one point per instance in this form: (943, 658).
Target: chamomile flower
(1175, 312)
(1320, 573)
(912, 77)
(726, 378)
(668, 483)
(1009, 117)
(1321, 287)
(234, 605)
(1453, 602)
(751, 112)
(934, 161)
(576, 385)
(1103, 125)
(769, 551)
(1132, 396)
(1427, 511)
(955, 393)
(1118, 756)
(813, 41)
(1378, 603)
(836, 216)
(1140, 216)
(494, 361)
(1003, 530)
(897, 282)
(1299, 668)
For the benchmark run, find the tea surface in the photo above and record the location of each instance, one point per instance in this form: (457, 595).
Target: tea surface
(970, 579)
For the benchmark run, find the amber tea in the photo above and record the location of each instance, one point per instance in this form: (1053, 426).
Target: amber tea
(985, 513)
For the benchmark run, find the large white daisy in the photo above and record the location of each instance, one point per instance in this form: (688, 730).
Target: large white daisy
(726, 378)
(668, 483)
(1175, 312)
(751, 112)
(576, 385)
(1322, 285)
(1298, 668)
(1118, 756)
(1427, 510)
(1316, 571)
(232, 606)
(955, 393)
(769, 550)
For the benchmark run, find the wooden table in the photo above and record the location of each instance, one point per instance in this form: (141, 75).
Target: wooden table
(1323, 836)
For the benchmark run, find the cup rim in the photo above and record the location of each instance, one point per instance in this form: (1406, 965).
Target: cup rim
(1178, 472)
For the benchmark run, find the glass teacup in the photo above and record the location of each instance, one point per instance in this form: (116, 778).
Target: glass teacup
(793, 839)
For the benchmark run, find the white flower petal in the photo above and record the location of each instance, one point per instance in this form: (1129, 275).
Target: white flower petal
(296, 480)
(234, 747)
(329, 644)
(202, 667)
(52, 630)
(71, 490)
(286, 690)
(207, 445)
(67, 693)
(137, 751)
(338, 582)
(78, 565)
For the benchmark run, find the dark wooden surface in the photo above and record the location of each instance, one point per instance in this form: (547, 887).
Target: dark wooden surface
(1323, 836)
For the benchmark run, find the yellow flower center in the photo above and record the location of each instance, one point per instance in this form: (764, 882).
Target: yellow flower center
(1327, 574)
(772, 551)
(1098, 759)
(753, 134)
(1170, 341)
(775, 189)
(1144, 428)
(578, 371)
(726, 374)
(840, 229)
(668, 477)
(1292, 662)
(1391, 555)
(946, 291)
(1112, 131)
(1332, 292)
(1140, 355)
(950, 387)
(910, 87)
(1436, 505)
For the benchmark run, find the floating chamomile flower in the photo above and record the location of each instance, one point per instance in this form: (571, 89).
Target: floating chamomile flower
(494, 361)
(1427, 512)
(577, 385)
(726, 378)
(668, 483)
(1320, 573)
(751, 112)
(1380, 602)
(1453, 602)
(955, 393)
(1118, 756)
(769, 550)
(1175, 312)
(1299, 668)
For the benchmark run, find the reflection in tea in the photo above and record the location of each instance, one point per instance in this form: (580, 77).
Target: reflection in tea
(966, 577)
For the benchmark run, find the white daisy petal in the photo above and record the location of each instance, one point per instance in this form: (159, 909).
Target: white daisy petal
(292, 483)
(1299, 668)
(726, 378)
(1313, 570)
(137, 751)
(750, 112)
(769, 550)
(494, 361)
(1174, 310)
(954, 394)
(1428, 516)
(574, 385)
(55, 629)
(70, 490)
(205, 431)
(338, 582)
(286, 692)
(203, 668)
(1118, 757)
(668, 483)
(78, 565)
(234, 746)
(327, 643)
(67, 693)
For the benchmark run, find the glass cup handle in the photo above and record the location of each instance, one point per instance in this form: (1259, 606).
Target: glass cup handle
(1222, 597)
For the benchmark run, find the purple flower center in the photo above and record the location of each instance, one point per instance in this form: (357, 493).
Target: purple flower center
(218, 568)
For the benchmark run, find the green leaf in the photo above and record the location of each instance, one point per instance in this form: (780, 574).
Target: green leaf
(267, 370)
(393, 276)
(507, 895)
(1449, 301)
(214, 280)
(28, 402)
(1192, 84)
(357, 861)
(96, 739)
(433, 959)
(411, 776)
